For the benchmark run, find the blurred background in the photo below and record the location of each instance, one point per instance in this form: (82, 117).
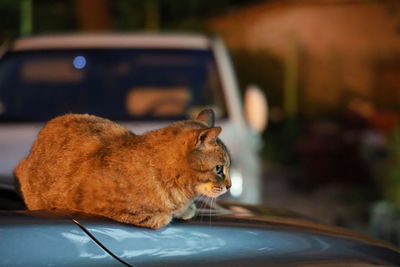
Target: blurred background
(331, 73)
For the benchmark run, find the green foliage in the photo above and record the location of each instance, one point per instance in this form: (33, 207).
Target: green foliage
(174, 15)
(51, 16)
(392, 179)
(9, 19)
(48, 17)
(128, 15)
(54, 16)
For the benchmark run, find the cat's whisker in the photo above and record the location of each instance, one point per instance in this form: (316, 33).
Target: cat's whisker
(210, 207)
(207, 204)
(206, 199)
(197, 200)
(203, 199)
(213, 200)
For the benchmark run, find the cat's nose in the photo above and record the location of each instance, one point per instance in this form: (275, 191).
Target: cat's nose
(228, 184)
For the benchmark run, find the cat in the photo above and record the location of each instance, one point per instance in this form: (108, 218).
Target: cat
(84, 163)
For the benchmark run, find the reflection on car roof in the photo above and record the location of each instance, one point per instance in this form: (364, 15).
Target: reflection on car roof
(144, 40)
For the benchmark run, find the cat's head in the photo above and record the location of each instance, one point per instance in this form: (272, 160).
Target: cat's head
(209, 157)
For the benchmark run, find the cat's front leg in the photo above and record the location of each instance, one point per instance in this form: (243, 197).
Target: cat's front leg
(157, 221)
(153, 221)
(188, 213)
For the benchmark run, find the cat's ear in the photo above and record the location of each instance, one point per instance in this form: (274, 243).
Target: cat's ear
(206, 136)
(207, 116)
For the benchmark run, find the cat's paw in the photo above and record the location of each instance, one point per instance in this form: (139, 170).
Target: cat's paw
(153, 221)
(188, 213)
(158, 221)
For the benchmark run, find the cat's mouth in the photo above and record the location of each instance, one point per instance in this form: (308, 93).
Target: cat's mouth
(210, 190)
(218, 191)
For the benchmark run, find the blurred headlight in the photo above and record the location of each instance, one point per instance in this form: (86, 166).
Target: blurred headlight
(237, 183)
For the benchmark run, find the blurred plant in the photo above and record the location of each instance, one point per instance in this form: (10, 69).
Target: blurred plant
(26, 17)
(392, 168)
(384, 222)
(9, 19)
(385, 214)
(127, 15)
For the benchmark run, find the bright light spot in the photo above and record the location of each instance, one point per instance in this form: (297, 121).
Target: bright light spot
(79, 62)
(237, 183)
(256, 108)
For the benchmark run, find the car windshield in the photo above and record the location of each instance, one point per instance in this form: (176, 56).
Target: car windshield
(119, 84)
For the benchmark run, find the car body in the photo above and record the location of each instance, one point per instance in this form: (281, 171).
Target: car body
(223, 234)
(143, 81)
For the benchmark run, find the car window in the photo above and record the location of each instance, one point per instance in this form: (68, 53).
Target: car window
(120, 84)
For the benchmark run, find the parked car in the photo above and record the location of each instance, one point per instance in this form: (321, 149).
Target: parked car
(143, 81)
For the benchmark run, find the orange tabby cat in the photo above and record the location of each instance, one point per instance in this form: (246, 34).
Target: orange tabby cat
(90, 164)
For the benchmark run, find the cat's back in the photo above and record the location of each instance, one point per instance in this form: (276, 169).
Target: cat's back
(81, 128)
(75, 135)
(84, 125)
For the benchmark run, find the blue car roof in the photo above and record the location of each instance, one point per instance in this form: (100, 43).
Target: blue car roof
(255, 237)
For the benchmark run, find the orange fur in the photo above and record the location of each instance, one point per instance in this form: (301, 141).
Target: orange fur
(90, 164)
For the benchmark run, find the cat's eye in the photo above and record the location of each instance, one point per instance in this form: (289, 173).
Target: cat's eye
(220, 170)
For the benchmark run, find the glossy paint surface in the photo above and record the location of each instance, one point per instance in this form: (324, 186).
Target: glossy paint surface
(34, 241)
(217, 236)
(180, 244)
